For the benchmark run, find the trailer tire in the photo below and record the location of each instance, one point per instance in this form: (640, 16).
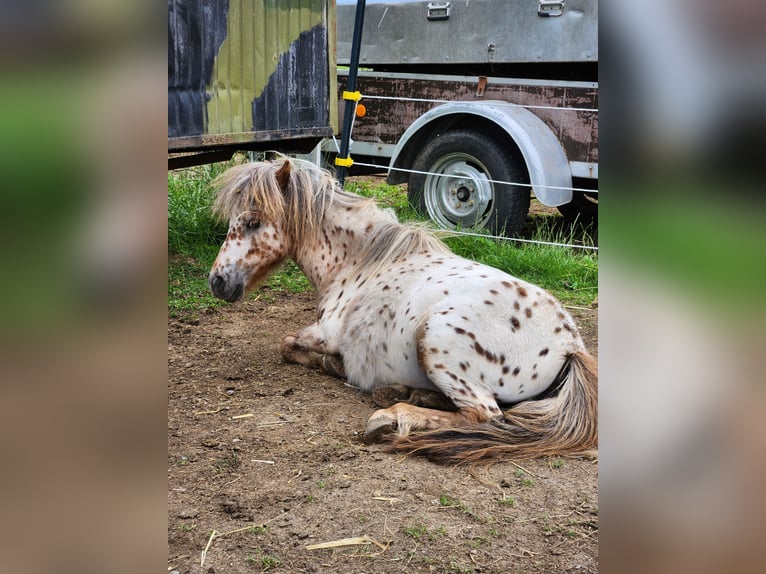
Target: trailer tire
(471, 198)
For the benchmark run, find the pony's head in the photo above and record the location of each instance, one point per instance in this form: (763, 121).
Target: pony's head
(252, 198)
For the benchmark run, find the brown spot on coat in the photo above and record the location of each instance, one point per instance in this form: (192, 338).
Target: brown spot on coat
(521, 291)
(544, 352)
(515, 322)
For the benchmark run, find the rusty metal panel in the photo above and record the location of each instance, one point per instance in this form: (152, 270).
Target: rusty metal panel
(385, 121)
(243, 71)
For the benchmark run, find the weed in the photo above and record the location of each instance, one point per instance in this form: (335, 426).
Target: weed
(258, 529)
(439, 532)
(310, 498)
(450, 502)
(455, 566)
(522, 479)
(487, 538)
(415, 531)
(269, 562)
(187, 527)
(508, 501)
(228, 463)
(556, 463)
(447, 500)
(321, 484)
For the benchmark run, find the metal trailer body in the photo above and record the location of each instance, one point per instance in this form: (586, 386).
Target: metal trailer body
(461, 32)
(521, 74)
(249, 75)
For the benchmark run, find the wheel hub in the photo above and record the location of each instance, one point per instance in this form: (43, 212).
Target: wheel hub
(463, 193)
(461, 196)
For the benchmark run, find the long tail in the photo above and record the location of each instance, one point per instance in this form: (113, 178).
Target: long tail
(566, 424)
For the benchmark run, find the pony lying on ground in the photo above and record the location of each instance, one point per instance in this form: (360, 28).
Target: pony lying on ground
(442, 342)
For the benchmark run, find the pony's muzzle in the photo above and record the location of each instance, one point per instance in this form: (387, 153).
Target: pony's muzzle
(223, 290)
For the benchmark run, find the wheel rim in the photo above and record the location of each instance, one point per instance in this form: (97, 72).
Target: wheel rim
(461, 195)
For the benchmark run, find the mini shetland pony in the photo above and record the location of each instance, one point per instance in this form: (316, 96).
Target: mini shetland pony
(441, 341)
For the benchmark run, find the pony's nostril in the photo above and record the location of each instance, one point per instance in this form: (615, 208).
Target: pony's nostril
(217, 282)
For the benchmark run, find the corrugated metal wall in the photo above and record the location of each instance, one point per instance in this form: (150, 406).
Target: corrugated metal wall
(238, 69)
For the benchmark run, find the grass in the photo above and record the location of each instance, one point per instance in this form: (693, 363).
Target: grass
(523, 480)
(451, 502)
(508, 501)
(265, 561)
(227, 463)
(556, 463)
(194, 238)
(416, 531)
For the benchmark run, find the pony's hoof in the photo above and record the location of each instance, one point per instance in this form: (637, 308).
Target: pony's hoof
(380, 425)
(385, 397)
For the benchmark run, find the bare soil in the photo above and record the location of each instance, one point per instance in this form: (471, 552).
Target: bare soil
(270, 455)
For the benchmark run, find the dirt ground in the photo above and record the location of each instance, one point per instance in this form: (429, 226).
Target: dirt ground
(270, 455)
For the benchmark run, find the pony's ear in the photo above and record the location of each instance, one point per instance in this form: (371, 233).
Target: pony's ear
(283, 174)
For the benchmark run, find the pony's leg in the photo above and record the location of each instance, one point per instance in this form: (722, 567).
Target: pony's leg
(403, 418)
(308, 348)
(474, 400)
(385, 397)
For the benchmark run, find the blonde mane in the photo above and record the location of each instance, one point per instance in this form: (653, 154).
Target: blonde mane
(301, 205)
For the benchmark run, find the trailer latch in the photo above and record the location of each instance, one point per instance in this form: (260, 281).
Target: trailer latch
(547, 8)
(438, 10)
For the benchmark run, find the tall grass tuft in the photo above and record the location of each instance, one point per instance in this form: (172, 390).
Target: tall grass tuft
(192, 231)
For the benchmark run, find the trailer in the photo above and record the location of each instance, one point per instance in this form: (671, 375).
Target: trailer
(249, 75)
(476, 103)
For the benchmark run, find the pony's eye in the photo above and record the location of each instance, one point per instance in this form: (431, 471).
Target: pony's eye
(252, 224)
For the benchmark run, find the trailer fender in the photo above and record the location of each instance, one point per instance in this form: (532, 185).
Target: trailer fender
(546, 162)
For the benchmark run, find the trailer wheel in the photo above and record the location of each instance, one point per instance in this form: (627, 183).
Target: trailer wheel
(465, 193)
